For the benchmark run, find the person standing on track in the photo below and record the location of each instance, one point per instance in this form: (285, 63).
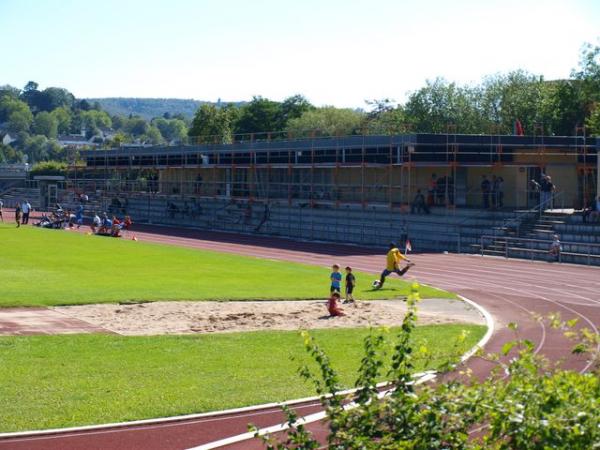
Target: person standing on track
(26, 208)
(394, 258)
(18, 215)
(1, 205)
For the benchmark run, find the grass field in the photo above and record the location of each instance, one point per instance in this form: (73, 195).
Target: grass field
(57, 381)
(47, 267)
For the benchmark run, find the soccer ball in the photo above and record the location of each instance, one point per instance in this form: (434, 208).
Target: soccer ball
(375, 284)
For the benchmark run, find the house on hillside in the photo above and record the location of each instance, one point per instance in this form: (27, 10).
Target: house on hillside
(7, 138)
(76, 141)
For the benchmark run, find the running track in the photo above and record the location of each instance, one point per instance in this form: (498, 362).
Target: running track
(511, 290)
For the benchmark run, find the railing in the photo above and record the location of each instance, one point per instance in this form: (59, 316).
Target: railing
(590, 255)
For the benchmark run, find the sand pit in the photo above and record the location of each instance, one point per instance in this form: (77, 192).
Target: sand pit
(211, 317)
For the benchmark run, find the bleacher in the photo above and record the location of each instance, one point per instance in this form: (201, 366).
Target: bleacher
(12, 196)
(442, 230)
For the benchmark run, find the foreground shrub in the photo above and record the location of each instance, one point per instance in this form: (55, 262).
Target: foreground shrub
(527, 402)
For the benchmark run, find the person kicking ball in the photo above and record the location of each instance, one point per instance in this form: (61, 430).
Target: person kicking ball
(394, 258)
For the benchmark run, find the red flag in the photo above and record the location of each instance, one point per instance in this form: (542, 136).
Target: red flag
(519, 128)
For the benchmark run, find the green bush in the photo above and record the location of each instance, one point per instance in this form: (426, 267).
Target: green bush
(526, 403)
(49, 168)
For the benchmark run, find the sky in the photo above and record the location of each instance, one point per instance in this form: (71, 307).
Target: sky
(334, 52)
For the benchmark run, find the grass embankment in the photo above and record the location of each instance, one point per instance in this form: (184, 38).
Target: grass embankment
(47, 267)
(68, 380)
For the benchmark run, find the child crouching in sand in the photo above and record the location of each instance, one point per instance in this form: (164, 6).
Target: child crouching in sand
(332, 305)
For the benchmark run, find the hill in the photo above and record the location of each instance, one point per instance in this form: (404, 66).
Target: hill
(148, 108)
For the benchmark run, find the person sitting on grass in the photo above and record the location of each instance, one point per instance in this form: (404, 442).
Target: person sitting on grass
(336, 279)
(96, 223)
(332, 305)
(79, 216)
(115, 229)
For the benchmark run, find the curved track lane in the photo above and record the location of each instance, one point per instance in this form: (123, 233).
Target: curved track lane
(511, 290)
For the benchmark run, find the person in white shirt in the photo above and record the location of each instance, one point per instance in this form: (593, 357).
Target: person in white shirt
(26, 208)
(96, 222)
(555, 249)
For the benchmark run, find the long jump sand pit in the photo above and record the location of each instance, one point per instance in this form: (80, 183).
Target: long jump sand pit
(211, 317)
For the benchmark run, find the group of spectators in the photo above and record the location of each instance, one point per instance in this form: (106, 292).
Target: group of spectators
(110, 227)
(492, 192)
(22, 211)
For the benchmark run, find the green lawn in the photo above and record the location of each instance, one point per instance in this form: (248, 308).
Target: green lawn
(58, 381)
(48, 267)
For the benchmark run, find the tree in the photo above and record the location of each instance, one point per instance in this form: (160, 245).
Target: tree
(212, 124)
(440, 104)
(45, 124)
(136, 126)
(171, 130)
(53, 97)
(63, 117)
(292, 108)
(9, 91)
(20, 121)
(36, 148)
(326, 121)
(152, 136)
(10, 155)
(93, 121)
(259, 115)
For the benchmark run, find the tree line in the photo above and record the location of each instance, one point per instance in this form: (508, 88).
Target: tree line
(34, 118)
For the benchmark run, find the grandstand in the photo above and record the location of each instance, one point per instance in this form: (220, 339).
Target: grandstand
(355, 189)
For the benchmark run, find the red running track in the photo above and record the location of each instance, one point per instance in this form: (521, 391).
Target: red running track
(511, 290)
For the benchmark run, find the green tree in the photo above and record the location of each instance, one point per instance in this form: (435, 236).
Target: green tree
(136, 126)
(9, 91)
(440, 106)
(212, 124)
(292, 108)
(153, 136)
(53, 97)
(45, 124)
(63, 118)
(20, 121)
(36, 148)
(326, 121)
(259, 115)
(171, 129)
(9, 105)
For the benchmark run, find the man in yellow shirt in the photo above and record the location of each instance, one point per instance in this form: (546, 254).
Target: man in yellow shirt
(394, 258)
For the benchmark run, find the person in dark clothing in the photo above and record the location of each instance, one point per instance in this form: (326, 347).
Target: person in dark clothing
(485, 191)
(419, 205)
(350, 283)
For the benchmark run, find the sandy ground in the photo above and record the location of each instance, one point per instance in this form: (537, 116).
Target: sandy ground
(210, 317)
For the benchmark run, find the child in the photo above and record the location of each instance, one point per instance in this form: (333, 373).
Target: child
(336, 279)
(350, 283)
(332, 306)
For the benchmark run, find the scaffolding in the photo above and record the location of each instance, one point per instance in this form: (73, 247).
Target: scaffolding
(342, 171)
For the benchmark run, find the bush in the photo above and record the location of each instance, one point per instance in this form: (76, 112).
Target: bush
(49, 168)
(527, 402)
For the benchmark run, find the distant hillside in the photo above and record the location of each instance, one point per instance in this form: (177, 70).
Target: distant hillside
(148, 107)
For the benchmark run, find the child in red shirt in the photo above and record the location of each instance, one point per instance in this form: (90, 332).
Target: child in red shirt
(332, 306)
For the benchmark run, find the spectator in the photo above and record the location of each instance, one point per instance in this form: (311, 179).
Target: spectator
(18, 215)
(26, 208)
(498, 188)
(419, 205)
(485, 192)
(431, 190)
(547, 189)
(1, 205)
(96, 223)
(555, 249)
(592, 211)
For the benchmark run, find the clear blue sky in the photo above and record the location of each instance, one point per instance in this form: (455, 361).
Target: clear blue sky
(334, 52)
